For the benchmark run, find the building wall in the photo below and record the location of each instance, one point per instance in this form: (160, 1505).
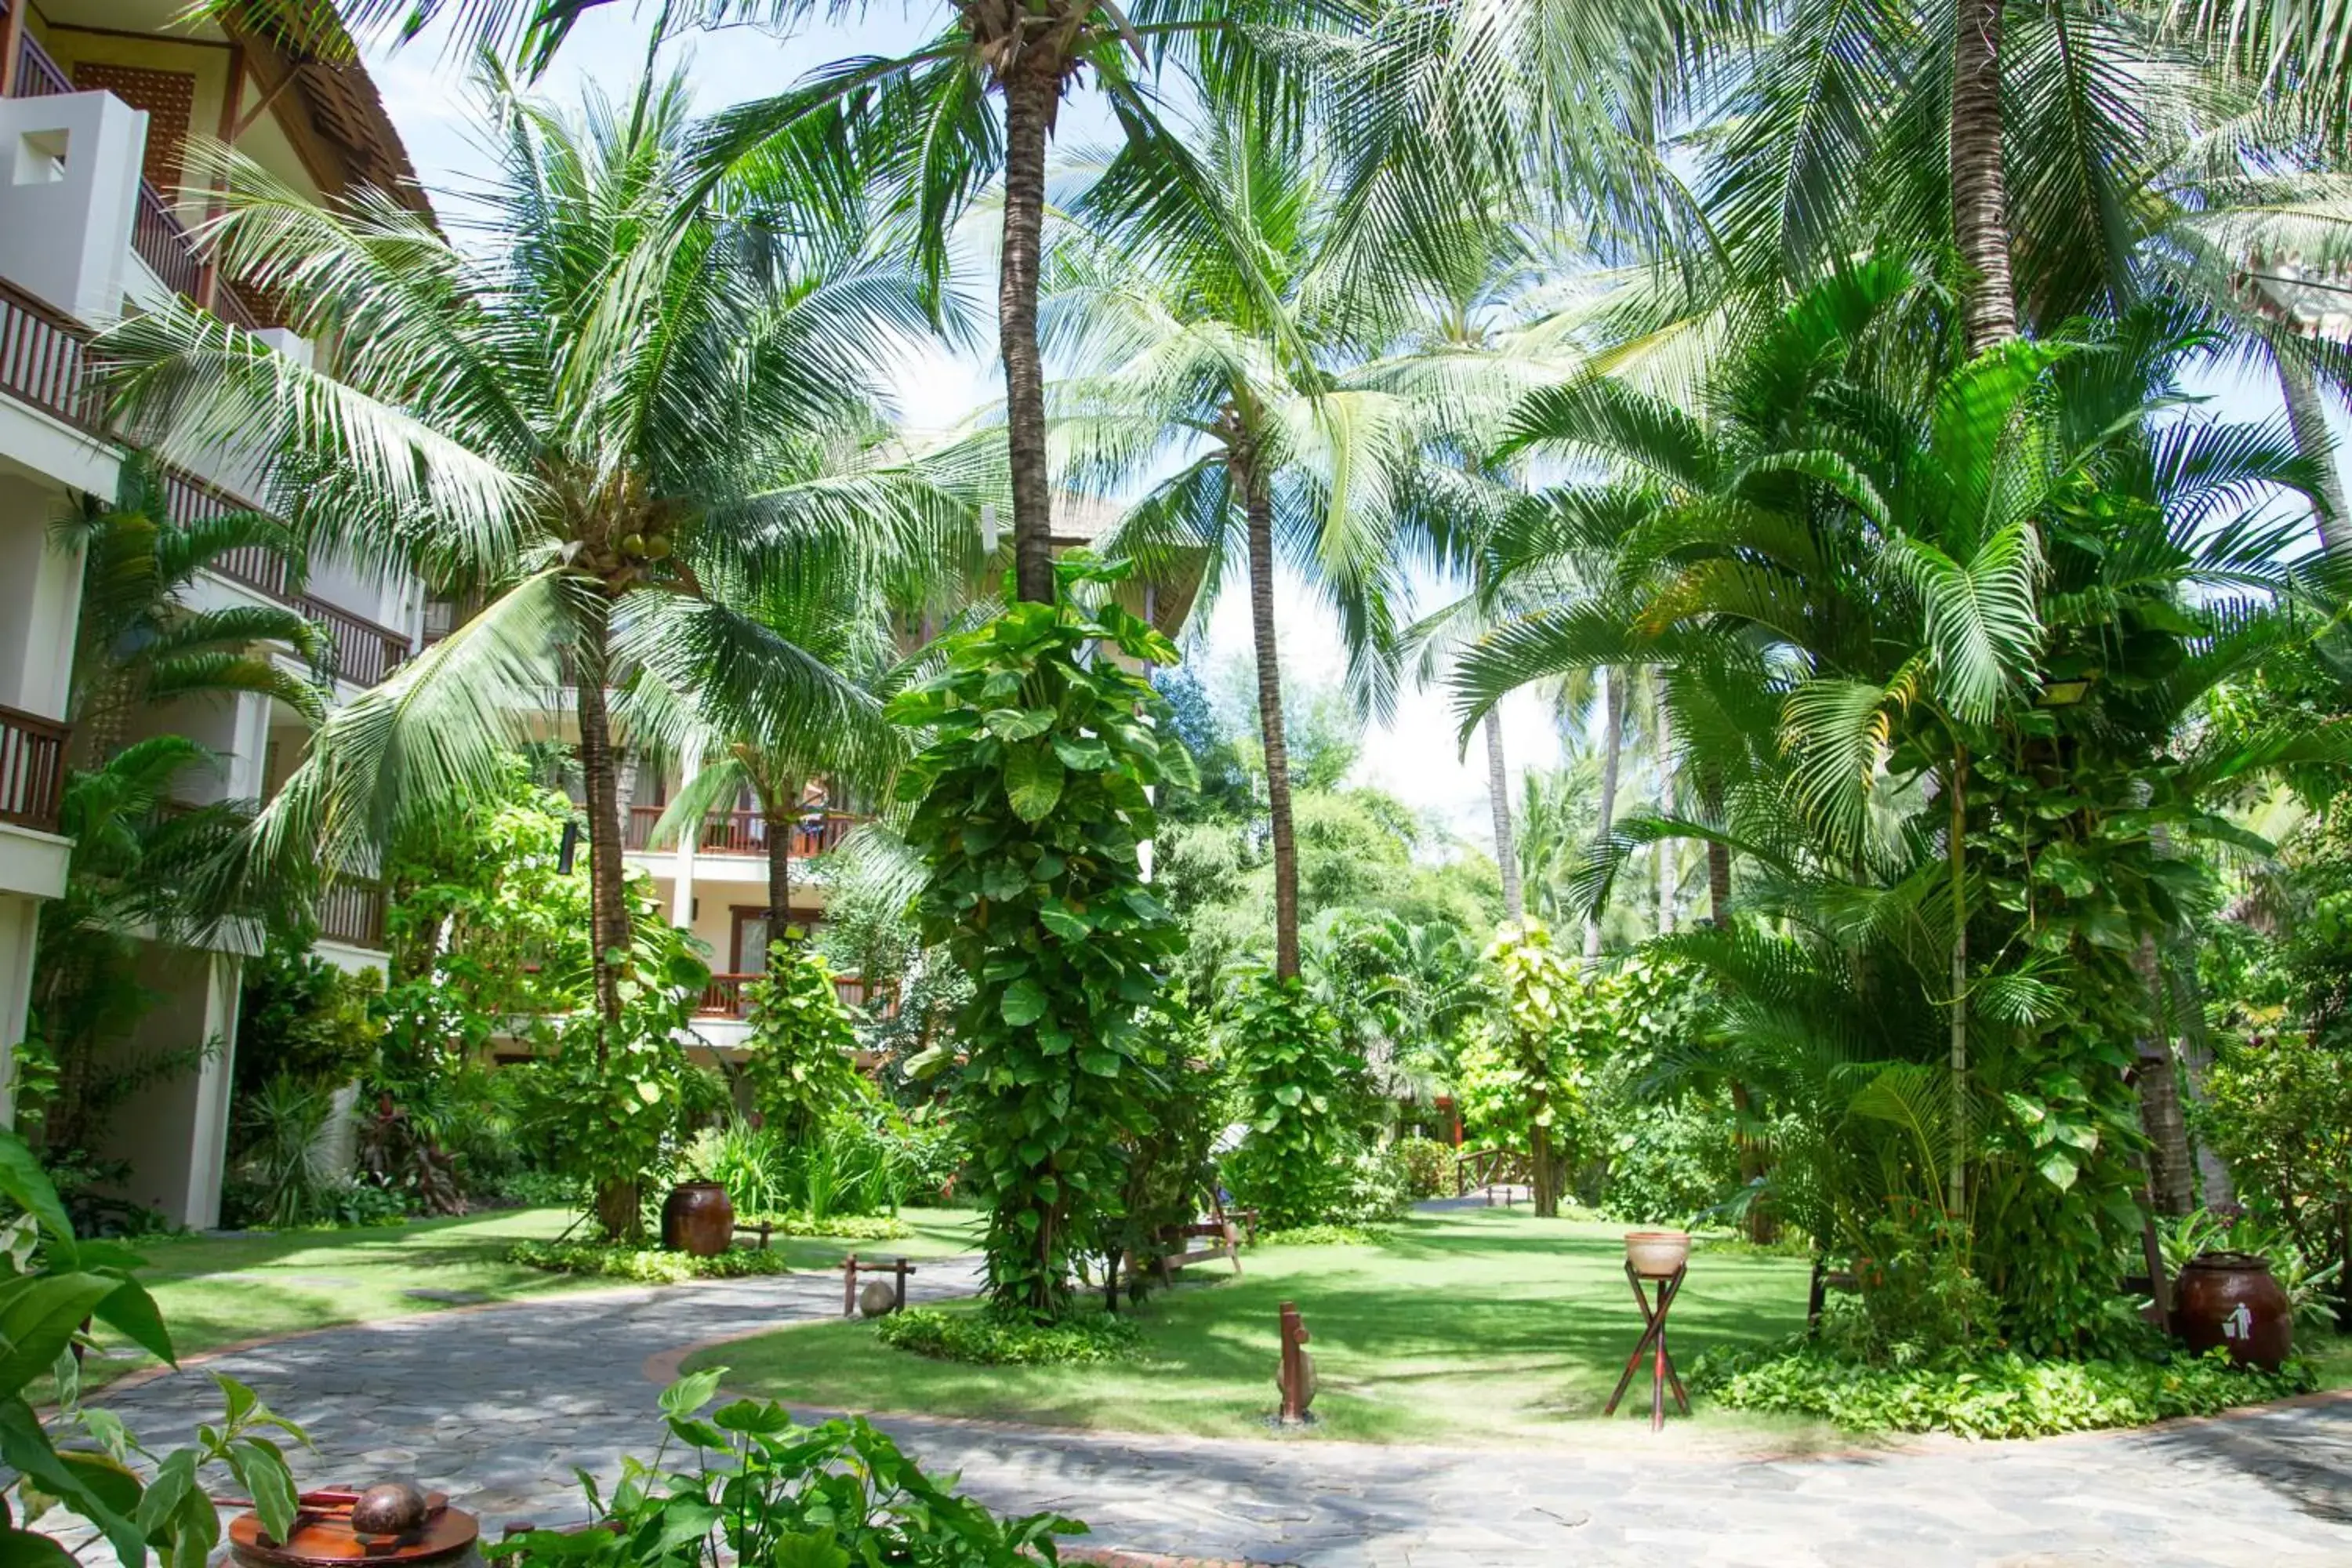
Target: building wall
(173, 1130)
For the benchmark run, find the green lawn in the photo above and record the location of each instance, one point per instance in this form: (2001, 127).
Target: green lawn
(1481, 1325)
(218, 1290)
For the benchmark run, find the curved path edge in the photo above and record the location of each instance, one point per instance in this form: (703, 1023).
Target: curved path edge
(496, 1403)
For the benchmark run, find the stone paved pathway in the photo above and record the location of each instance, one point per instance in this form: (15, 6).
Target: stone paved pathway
(497, 1405)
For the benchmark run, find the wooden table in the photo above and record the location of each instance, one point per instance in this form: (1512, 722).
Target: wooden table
(1654, 1346)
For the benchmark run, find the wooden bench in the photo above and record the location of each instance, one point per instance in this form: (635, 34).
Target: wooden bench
(1223, 1232)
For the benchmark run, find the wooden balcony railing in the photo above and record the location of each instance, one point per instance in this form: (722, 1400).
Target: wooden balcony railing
(158, 237)
(352, 912)
(38, 75)
(364, 652)
(32, 769)
(746, 832)
(164, 245)
(45, 362)
(723, 997)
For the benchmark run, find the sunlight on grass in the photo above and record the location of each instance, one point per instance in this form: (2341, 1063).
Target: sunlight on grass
(1483, 1325)
(223, 1290)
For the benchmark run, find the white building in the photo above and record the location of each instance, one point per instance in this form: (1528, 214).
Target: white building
(99, 101)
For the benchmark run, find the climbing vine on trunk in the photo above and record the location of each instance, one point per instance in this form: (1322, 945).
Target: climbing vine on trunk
(1030, 803)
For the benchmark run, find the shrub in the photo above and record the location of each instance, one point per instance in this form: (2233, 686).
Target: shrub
(1428, 1167)
(303, 1018)
(840, 1226)
(1324, 1236)
(610, 1103)
(783, 1496)
(987, 1337)
(280, 1170)
(2001, 1395)
(1666, 1161)
(1375, 1185)
(1303, 1094)
(798, 1067)
(1530, 1077)
(648, 1266)
(540, 1189)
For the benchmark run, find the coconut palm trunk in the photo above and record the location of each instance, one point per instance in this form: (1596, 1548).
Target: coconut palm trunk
(1258, 507)
(1612, 757)
(617, 1203)
(2308, 419)
(1499, 800)
(1667, 870)
(608, 917)
(2218, 1188)
(1031, 92)
(1988, 317)
(1980, 184)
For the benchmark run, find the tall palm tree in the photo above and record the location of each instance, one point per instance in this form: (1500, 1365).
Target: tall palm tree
(1424, 104)
(576, 419)
(1193, 288)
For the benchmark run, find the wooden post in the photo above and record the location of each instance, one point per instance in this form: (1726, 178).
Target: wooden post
(12, 29)
(231, 100)
(1296, 1381)
(849, 1285)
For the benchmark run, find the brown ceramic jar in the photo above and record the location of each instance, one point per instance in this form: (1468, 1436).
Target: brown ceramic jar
(698, 1218)
(2229, 1299)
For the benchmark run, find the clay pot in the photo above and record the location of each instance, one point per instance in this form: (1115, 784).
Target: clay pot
(2229, 1298)
(697, 1219)
(1656, 1253)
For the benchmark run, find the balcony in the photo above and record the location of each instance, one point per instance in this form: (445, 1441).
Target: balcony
(746, 832)
(723, 998)
(351, 913)
(46, 361)
(32, 770)
(157, 236)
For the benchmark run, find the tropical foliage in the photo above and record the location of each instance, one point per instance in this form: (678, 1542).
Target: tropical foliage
(1029, 804)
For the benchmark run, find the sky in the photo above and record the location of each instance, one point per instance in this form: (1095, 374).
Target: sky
(1413, 756)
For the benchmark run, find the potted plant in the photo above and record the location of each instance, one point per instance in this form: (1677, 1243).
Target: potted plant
(1657, 1254)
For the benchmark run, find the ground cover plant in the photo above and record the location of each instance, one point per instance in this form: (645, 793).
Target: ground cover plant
(1483, 1325)
(987, 1337)
(644, 1264)
(2001, 1395)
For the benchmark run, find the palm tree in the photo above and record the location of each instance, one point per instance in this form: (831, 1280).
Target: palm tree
(845, 624)
(139, 644)
(1839, 569)
(147, 865)
(1427, 107)
(1191, 289)
(576, 420)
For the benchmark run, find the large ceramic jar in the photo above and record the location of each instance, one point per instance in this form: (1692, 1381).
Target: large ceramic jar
(697, 1218)
(2229, 1299)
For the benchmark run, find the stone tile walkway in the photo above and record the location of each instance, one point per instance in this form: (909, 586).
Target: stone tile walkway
(495, 1407)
